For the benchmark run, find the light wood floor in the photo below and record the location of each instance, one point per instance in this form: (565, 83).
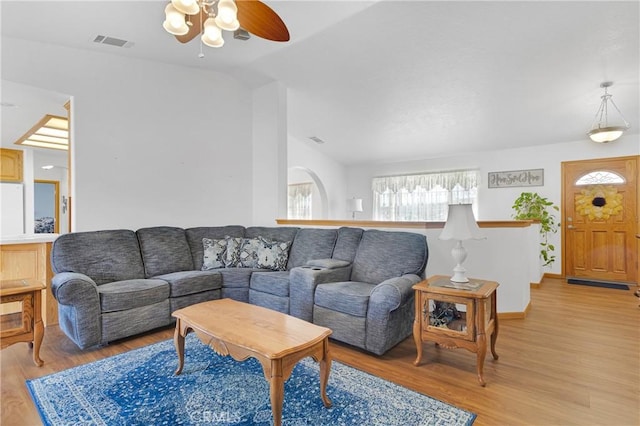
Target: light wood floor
(575, 360)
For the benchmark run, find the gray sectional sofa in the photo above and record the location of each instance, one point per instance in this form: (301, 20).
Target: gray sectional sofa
(117, 283)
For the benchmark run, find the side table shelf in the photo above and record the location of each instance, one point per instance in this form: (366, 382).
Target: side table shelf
(438, 319)
(20, 315)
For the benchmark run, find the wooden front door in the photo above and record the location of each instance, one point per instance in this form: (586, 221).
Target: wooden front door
(600, 219)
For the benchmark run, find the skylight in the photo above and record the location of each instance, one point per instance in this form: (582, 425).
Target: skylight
(51, 131)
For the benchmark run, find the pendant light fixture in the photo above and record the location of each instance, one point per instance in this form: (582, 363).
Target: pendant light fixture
(603, 130)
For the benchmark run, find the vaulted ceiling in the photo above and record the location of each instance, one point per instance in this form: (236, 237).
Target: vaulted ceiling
(393, 80)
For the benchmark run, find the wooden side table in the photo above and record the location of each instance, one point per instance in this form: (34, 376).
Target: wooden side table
(468, 329)
(21, 314)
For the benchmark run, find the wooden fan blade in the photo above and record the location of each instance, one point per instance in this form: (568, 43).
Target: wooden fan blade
(196, 20)
(260, 20)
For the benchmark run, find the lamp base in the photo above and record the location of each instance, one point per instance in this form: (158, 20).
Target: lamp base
(459, 254)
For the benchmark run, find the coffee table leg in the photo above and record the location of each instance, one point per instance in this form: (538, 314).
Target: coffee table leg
(178, 340)
(276, 392)
(325, 369)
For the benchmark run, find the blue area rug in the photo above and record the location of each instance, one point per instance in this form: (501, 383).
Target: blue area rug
(139, 388)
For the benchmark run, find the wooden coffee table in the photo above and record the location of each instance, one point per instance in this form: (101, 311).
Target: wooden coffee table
(278, 341)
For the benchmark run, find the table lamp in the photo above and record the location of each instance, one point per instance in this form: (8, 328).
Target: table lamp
(461, 225)
(354, 205)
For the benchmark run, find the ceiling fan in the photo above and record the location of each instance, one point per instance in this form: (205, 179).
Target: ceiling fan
(185, 19)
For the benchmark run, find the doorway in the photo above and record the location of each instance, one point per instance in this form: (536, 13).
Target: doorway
(46, 206)
(600, 218)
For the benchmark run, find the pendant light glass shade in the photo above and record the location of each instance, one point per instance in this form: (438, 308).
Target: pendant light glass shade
(602, 130)
(174, 22)
(212, 35)
(188, 7)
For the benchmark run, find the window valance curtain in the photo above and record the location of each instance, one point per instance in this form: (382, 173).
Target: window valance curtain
(299, 200)
(465, 179)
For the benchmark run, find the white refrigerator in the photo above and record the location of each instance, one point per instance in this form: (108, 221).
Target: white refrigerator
(11, 209)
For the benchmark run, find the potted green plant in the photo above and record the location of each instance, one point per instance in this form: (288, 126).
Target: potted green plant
(531, 206)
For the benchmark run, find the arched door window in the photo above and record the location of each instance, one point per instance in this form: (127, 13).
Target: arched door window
(600, 177)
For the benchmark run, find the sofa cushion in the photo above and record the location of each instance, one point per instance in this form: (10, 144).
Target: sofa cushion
(276, 283)
(347, 243)
(312, 244)
(164, 249)
(104, 256)
(382, 255)
(130, 294)
(190, 282)
(195, 236)
(237, 277)
(214, 253)
(348, 297)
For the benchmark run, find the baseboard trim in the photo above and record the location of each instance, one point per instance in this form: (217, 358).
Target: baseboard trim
(535, 285)
(515, 315)
(549, 275)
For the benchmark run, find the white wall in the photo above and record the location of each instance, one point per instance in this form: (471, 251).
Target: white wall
(495, 204)
(153, 144)
(331, 173)
(269, 154)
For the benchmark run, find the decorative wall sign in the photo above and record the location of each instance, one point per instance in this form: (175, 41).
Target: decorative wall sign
(515, 178)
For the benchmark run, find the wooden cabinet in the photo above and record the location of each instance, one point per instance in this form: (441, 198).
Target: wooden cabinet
(30, 261)
(11, 165)
(456, 316)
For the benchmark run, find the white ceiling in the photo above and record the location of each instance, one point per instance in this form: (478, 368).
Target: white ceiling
(397, 80)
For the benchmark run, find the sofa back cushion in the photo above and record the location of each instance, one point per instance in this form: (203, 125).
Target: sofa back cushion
(164, 249)
(195, 236)
(382, 255)
(274, 233)
(311, 244)
(104, 256)
(347, 243)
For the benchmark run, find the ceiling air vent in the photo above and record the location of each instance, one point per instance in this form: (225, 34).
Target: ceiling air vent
(112, 41)
(316, 139)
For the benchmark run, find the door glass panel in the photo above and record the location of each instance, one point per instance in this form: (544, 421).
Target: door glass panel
(600, 177)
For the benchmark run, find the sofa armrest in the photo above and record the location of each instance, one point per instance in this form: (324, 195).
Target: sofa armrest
(327, 263)
(391, 313)
(302, 287)
(393, 293)
(79, 312)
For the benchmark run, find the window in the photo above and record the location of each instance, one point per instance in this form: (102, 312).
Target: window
(600, 177)
(423, 197)
(299, 201)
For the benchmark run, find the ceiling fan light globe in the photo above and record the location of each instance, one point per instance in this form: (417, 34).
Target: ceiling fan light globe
(174, 22)
(228, 26)
(227, 13)
(188, 7)
(212, 35)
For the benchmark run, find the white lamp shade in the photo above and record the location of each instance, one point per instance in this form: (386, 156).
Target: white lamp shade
(212, 36)
(174, 22)
(354, 204)
(461, 224)
(188, 7)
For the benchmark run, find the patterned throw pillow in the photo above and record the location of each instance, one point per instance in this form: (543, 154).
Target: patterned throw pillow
(248, 256)
(273, 254)
(214, 253)
(232, 257)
